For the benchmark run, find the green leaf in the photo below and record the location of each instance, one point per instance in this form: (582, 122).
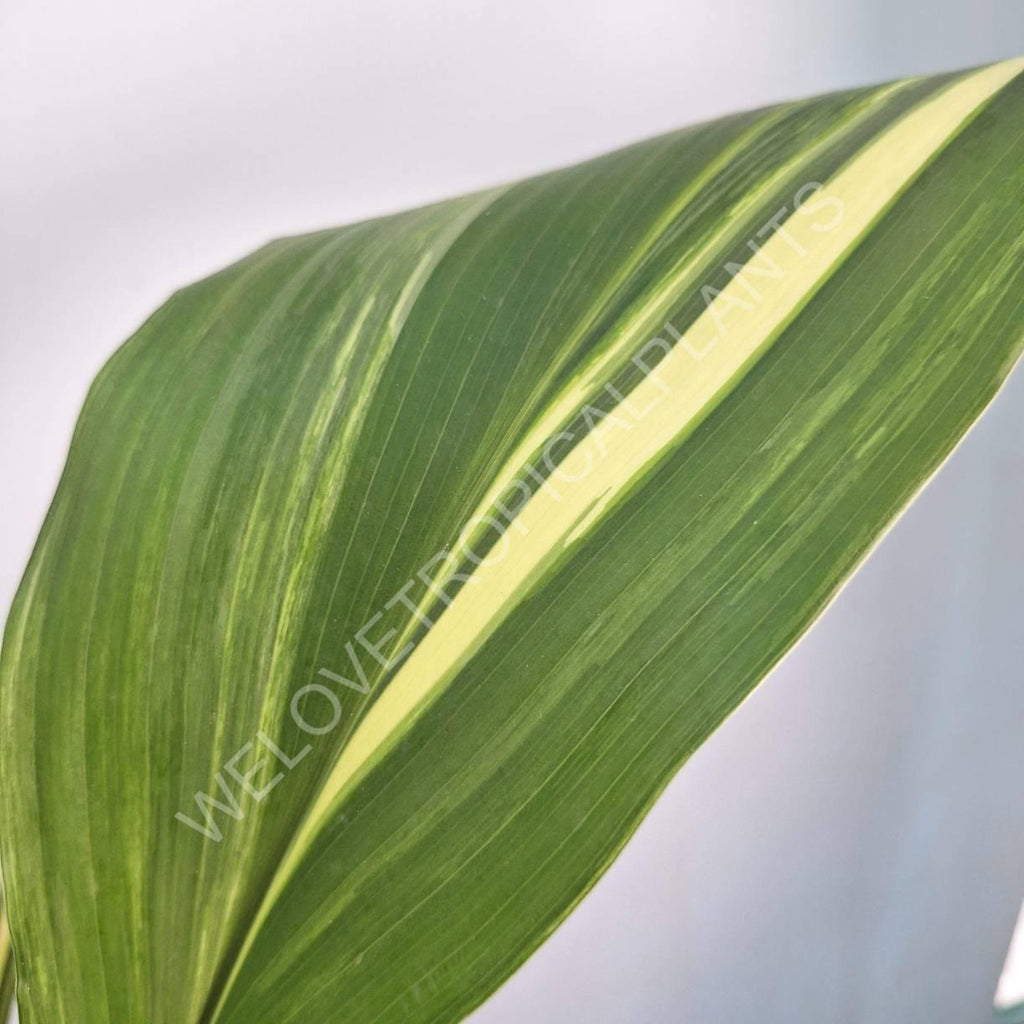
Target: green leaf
(426, 550)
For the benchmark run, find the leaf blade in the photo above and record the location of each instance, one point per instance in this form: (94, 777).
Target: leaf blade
(277, 513)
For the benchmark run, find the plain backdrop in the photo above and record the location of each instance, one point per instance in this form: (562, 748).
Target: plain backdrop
(849, 848)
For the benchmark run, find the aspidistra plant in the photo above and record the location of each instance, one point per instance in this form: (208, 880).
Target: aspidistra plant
(396, 569)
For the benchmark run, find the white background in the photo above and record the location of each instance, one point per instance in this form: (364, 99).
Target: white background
(850, 847)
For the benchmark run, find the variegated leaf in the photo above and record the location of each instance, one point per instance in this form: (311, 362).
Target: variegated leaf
(396, 569)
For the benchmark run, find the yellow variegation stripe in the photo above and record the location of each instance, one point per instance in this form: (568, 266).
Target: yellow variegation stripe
(5, 939)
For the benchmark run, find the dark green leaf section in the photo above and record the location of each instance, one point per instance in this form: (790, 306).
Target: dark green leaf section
(282, 447)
